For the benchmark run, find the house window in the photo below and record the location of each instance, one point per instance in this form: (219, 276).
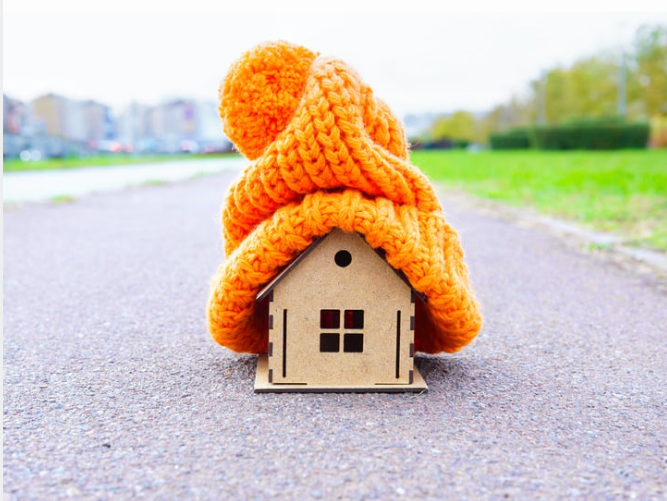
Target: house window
(354, 319)
(353, 342)
(330, 342)
(329, 319)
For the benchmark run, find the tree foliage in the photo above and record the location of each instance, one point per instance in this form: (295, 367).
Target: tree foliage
(651, 69)
(588, 88)
(459, 126)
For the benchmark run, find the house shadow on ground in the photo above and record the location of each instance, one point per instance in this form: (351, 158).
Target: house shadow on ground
(450, 371)
(442, 373)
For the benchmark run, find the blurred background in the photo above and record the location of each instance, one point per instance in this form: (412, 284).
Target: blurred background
(99, 85)
(81, 83)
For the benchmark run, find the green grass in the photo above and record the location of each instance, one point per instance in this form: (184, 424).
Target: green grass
(62, 199)
(623, 192)
(16, 165)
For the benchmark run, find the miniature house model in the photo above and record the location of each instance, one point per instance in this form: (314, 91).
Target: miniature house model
(340, 319)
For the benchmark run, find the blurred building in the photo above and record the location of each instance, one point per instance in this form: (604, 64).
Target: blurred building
(15, 125)
(98, 121)
(14, 116)
(209, 128)
(173, 126)
(52, 112)
(53, 125)
(80, 121)
(133, 126)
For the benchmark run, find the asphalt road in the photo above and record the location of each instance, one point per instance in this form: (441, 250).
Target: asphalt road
(114, 390)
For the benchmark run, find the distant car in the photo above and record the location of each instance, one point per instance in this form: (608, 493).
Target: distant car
(189, 146)
(30, 155)
(108, 146)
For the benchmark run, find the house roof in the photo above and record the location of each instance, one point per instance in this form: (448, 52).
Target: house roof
(271, 285)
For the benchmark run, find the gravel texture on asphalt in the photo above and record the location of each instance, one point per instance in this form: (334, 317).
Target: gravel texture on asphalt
(113, 388)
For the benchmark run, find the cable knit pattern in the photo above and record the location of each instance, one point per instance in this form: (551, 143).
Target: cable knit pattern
(327, 154)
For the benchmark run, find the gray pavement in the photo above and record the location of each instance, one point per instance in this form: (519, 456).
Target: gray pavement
(114, 390)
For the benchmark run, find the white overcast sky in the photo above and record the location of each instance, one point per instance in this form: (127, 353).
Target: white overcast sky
(416, 61)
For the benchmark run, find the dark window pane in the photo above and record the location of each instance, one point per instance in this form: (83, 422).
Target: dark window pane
(329, 319)
(353, 343)
(354, 319)
(330, 343)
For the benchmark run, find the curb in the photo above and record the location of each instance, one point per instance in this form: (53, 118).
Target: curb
(612, 246)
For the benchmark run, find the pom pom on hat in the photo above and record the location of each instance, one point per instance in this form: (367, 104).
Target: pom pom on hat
(261, 92)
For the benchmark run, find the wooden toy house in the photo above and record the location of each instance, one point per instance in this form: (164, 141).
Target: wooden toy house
(340, 319)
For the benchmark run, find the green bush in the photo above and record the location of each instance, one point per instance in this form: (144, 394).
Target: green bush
(440, 144)
(460, 144)
(515, 139)
(589, 134)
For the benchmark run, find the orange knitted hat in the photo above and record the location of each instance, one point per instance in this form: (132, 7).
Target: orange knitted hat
(327, 153)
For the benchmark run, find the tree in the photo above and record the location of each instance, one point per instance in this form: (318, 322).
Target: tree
(488, 124)
(592, 87)
(586, 89)
(457, 127)
(650, 55)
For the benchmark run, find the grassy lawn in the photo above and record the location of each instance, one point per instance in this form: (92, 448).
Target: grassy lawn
(16, 165)
(623, 192)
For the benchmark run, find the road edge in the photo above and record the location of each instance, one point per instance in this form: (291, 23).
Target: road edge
(606, 246)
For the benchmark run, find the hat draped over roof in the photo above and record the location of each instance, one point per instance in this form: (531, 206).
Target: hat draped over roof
(327, 154)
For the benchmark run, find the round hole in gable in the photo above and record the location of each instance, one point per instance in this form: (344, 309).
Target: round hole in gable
(343, 258)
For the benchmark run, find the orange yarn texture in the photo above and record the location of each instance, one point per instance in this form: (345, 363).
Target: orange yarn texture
(327, 154)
